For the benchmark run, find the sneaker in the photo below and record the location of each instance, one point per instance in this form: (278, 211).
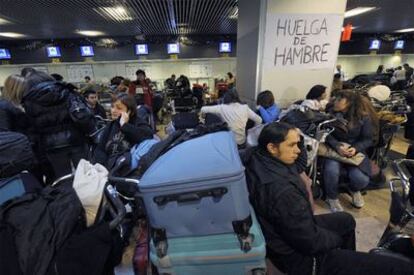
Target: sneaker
(334, 205)
(357, 200)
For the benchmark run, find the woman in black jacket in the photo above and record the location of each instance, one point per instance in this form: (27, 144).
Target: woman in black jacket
(12, 116)
(349, 105)
(299, 242)
(126, 130)
(60, 123)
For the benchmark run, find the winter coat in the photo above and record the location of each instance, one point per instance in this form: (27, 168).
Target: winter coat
(51, 124)
(11, 117)
(146, 89)
(269, 114)
(117, 140)
(281, 203)
(359, 136)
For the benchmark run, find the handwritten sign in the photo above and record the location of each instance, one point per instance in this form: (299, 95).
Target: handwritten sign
(302, 41)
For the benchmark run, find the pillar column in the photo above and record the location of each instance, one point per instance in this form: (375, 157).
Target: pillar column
(287, 46)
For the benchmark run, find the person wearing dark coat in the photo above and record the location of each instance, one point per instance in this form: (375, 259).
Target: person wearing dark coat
(299, 242)
(91, 97)
(60, 123)
(126, 130)
(12, 116)
(359, 137)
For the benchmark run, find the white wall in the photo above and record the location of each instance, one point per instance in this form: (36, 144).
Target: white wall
(293, 83)
(157, 70)
(360, 64)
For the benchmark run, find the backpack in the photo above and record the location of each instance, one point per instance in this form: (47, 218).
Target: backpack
(80, 113)
(16, 154)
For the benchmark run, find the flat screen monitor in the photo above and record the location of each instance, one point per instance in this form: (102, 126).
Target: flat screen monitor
(375, 44)
(4, 54)
(399, 45)
(87, 51)
(173, 48)
(141, 49)
(53, 51)
(225, 47)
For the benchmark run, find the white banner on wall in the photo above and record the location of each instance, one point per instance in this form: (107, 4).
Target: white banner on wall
(200, 70)
(77, 73)
(301, 41)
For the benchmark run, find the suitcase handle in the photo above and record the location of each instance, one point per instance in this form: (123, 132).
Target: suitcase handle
(216, 193)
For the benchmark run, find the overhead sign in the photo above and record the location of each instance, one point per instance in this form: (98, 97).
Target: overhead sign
(301, 41)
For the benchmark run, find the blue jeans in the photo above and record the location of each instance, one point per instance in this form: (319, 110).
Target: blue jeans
(332, 171)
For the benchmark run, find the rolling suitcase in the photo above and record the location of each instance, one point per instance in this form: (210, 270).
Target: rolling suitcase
(197, 188)
(212, 255)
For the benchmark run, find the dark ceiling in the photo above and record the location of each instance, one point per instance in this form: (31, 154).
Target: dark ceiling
(390, 16)
(45, 19)
(57, 19)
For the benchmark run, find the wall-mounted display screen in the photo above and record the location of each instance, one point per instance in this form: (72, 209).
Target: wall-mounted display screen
(399, 45)
(141, 49)
(375, 44)
(4, 54)
(173, 48)
(87, 51)
(53, 51)
(225, 47)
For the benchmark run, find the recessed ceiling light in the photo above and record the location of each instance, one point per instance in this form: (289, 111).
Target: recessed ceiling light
(11, 34)
(406, 30)
(90, 33)
(358, 11)
(118, 13)
(235, 13)
(4, 21)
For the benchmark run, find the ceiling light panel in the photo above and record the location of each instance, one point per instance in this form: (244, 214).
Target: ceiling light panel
(4, 21)
(90, 33)
(406, 30)
(11, 34)
(358, 11)
(118, 13)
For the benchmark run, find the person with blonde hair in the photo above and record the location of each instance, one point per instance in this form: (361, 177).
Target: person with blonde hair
(12, 116)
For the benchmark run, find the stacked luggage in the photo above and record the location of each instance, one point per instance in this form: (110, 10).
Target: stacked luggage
(197, 206)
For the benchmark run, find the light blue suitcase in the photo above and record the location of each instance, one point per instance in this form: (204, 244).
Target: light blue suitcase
(197, 188)
(212, 255)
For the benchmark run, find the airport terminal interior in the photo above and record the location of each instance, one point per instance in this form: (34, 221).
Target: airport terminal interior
(206, 137)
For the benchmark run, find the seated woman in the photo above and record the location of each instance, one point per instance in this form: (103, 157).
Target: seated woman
(315, 98)
(299, 242)
(349, 105)
(234, 114)
(268, 110)
(126, 130)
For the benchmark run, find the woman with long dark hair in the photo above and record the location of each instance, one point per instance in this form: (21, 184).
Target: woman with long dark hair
(349, 105)
(126, 130)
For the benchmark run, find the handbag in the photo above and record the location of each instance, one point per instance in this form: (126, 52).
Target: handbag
(327, 152)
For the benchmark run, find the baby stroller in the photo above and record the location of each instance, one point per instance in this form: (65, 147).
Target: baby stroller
(396, 240)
